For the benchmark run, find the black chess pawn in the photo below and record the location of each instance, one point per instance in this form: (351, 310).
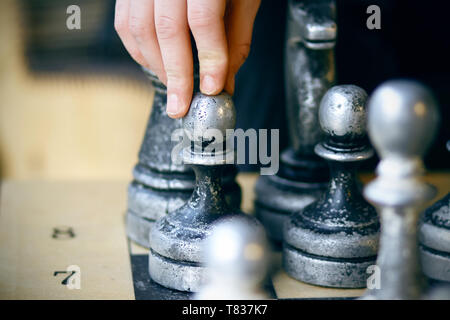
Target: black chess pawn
(435, 240)
(160, 185)
(402, 119)
(310, 72)
(176, 258)
(333, 240)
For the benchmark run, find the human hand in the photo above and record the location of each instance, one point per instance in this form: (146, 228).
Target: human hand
(156, 33)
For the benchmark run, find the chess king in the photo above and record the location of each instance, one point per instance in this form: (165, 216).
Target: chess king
(310, 72)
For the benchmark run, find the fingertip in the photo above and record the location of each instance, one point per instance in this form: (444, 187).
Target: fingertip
(209, 85)
(177, 107)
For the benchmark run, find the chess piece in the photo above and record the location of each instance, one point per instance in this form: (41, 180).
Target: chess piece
(434, 238)
(332, 241)
(176, 241)
(310, 72)
(160, 185)
(236, 257)
(402, 120)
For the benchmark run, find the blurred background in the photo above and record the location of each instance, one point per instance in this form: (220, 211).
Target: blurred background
(73, 104)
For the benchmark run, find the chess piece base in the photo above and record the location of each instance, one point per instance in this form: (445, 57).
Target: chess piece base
(435, 264)
(138, 229)
(332, 259)
(178, 275)
(326, 272)
(138, 226)
(435, 240)
(177, 242)
(176, 254)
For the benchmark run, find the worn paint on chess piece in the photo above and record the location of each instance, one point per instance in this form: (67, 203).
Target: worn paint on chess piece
(334, 240)
(160, 185)
(176, 258)
(435, 240)
(310, 72)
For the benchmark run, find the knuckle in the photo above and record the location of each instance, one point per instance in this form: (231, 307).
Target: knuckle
(200, 16)
(176, 80)
(166, 27)
(138, 28)
(213, 59)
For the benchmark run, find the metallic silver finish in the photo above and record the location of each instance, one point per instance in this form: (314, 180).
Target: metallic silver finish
(434, 264)
(237, 257)
(325, 272)
(333, 245)
(402, 120)
(200, 119)
(177, 240)
(406, 112)
(342, 112)
(310, 72)
(208, 129)
(332, 241)
(312, 23)
(350, 156)
(434, 237)
(160, 185)
(176, 275)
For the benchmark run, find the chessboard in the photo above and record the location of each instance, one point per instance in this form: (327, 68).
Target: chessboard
(66, 240)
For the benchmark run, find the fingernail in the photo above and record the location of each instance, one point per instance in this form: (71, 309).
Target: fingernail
(173, 107)
(208, 85)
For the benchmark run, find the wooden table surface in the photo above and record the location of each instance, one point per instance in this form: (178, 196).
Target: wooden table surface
(30, 253)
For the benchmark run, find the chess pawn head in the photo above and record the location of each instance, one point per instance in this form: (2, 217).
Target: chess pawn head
(205, 127)
(342, 116)
(236, 253)
(403, 119)
(402, 122)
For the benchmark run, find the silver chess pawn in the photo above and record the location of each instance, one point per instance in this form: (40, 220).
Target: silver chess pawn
(176, 258)
(334, 240)
(402, 121)
(160, 185)
(310, 72)
(236, 257)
